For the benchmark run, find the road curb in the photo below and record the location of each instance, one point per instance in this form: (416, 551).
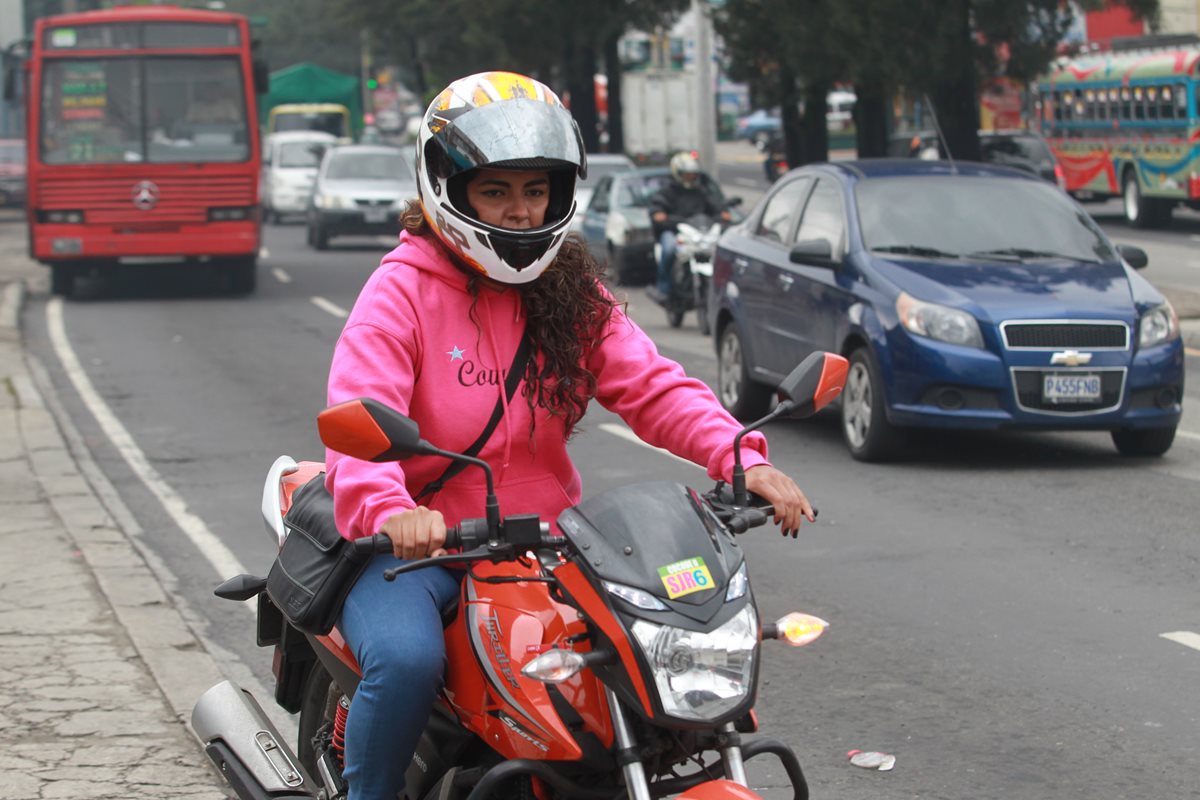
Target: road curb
(177, 661)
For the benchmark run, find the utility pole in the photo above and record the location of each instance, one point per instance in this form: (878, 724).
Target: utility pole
(705, 95)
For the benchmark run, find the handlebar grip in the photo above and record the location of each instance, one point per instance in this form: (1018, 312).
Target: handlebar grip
(370, 545)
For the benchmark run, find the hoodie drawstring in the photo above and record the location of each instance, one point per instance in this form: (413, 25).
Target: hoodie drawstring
(500, 385)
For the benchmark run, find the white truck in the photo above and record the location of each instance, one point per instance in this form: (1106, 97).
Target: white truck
(660, 113)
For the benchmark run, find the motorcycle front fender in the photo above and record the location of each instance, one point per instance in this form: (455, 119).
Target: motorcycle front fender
(719, 790)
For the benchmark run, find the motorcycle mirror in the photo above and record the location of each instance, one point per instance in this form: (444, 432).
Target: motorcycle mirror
(369, 430)
(733, 201)
(812, 385)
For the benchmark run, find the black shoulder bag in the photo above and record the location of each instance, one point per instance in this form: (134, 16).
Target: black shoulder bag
(316, 567)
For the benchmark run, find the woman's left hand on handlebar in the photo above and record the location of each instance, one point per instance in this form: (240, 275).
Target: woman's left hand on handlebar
(781, 492)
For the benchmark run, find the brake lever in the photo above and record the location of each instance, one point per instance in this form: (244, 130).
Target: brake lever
(503, 552)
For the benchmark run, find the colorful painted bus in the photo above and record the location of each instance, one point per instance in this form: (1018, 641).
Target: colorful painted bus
(1127, 125)
(143, 142)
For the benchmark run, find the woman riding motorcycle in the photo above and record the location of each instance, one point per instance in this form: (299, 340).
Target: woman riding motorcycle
(484, 260)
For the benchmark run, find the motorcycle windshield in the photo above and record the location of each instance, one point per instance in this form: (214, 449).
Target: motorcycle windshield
(658, 537)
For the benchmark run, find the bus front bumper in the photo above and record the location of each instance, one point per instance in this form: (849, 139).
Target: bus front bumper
(51, 243)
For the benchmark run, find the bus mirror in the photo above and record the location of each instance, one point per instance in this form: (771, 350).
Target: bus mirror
(262, 77)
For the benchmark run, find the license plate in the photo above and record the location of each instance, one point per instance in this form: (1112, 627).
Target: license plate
(1081, 388)
(375, 215)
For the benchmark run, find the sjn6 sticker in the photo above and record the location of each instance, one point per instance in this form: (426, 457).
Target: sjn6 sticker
(685, 577)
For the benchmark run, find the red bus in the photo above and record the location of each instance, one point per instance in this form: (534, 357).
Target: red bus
(143, 142)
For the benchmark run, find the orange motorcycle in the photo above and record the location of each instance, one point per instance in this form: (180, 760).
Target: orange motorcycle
(600, 658)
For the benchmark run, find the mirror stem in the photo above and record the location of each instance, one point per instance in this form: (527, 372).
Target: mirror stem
(740, 496)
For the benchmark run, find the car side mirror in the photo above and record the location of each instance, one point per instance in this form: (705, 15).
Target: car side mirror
(1134, 256)
(367, 429)
(812, 385)
(813, 251)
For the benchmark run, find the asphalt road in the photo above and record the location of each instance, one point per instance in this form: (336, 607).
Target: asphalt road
(998, 602)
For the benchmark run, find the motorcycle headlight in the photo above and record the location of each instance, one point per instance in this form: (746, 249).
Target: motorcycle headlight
(738, 584)
(1158, 325)
(701, 676)
(938, 322)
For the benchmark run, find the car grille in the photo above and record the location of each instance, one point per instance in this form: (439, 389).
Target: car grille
(375, 203)
(1028, 384)
(1044, 335)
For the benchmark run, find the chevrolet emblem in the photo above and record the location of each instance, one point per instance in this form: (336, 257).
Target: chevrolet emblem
(1071, 358)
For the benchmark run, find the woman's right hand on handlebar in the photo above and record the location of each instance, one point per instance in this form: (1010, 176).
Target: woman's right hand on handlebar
(416, 533)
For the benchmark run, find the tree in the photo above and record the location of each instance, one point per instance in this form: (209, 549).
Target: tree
(943, 49)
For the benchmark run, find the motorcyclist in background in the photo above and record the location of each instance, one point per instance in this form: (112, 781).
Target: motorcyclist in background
(682, 197)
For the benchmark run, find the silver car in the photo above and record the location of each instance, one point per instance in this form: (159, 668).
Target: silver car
(360, 190)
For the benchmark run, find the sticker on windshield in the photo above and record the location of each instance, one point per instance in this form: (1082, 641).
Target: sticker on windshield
(62, 37)
(685, 577)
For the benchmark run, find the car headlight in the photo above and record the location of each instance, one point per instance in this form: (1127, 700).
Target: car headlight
(1158, 325)
(939, 322)
(329, 201)
(701, 676)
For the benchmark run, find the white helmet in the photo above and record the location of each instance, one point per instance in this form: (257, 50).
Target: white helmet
(685, 163)
(500, 120)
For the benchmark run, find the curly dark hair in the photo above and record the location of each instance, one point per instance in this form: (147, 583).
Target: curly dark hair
(566, 311)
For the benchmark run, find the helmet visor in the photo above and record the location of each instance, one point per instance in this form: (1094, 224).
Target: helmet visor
(515, 134)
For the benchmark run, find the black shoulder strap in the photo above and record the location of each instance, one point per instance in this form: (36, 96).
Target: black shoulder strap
(515, 373)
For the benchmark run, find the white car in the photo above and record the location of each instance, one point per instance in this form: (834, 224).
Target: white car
(598, 166)
(290, 162)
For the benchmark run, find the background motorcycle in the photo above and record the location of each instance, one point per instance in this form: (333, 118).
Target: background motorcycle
(691, 274)
(587, 665)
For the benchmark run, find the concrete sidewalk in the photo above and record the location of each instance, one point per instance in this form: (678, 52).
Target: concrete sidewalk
(98, 670)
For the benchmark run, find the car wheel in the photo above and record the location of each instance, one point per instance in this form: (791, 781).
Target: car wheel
(62, 279)
(320, 237)
(741, 395)
(865, 427)
(616, 265)
(1146, 442)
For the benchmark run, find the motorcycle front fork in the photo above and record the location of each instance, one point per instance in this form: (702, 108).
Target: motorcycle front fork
(635, 773)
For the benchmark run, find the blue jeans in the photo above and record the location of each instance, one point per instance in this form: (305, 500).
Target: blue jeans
(666, 244)
(395, 632)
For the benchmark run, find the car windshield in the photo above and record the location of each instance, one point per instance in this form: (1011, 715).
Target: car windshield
(326, 121)
(635, 192)
(602, 169)
(369, 166)
(300, 154)
(1020, 149)
(970, 216)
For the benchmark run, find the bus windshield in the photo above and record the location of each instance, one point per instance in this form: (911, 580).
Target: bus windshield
(159, 110)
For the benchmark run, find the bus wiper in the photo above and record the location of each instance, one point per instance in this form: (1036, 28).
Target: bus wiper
(1025, 254)
(914, 250)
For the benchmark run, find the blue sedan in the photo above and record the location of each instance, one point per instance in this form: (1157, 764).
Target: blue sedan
(964, 296)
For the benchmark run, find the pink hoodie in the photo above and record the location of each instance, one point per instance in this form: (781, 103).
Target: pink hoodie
(411, 344)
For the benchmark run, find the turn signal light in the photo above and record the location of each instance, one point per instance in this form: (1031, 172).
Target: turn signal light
(554, 666)
(799, 629)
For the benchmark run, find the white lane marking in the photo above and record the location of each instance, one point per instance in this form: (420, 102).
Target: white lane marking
(624, 433)
(747, 182)
(1187, 434)
(281, 276)
(1185, 638)
(264, 253)
(325, 305)
(223, 561)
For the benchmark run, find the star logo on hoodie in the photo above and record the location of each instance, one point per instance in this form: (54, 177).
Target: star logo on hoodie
(456, 354)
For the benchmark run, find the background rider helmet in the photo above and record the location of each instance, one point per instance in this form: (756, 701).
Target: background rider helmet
(686, 169)
(498, 120)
